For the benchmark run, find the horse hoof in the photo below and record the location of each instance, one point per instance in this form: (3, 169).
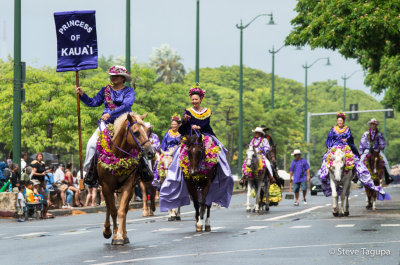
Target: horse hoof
(341, 214)
(118, 242)
(199, 228)
(368, 207)
(177, 218)
(335, 214)
(256, 211)
(171, 218)
(107, 236)
(248, 210)
(266, 209)
(145, 213)
(126, 240)
(207, 228)
(346, 213)
(151, 214)
(373, 209)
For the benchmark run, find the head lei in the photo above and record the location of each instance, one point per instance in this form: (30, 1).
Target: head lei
(341, 115)
(197, 90)
(176, 117)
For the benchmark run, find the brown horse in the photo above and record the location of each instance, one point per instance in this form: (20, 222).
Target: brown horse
(196, 154)
(376, 168)
(129, 132)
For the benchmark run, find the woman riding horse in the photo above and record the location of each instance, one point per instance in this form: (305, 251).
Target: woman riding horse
(174, 192)
(261, 146)
(117, 99)
(339, 137)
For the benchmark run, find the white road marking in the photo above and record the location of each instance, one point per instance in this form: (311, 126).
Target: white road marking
(155, 217)
(89, 260)
(74, 233)
(138, 248)
(187, 237)
(245, 250)
(32, 234)
(217, 228)
(177, 240)
(153, 246)
(328, 204)
(131, 229)
(108, 256)
(165, 229)
(355, 195)
(390, 224)
(293, 214)
(255, 227)
(197, 235)
(346, 225)
(125, 252)
(300, 226)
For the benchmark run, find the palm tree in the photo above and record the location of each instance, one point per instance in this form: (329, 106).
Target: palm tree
(167, 64)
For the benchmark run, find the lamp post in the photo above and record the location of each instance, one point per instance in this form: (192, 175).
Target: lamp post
(273, 52)
(197, 77)
(241, 28)
(128, 36)
(306, 67)
(344, 77)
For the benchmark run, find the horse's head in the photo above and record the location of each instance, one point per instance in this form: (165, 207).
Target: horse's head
(338, 164)
(137, 135)
(272, 154)
(251, 158)
(196, 153)
(374, 160)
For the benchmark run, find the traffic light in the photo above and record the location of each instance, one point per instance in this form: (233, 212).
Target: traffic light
(353, 116)
(389, 114)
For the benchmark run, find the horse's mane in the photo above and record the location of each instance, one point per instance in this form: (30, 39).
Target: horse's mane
(119, 122)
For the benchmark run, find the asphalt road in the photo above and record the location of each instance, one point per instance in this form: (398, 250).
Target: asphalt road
(307, 234)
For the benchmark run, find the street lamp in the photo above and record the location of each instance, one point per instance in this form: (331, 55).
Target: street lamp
(273, 52)
(241, 28)
(197, 76)
(344, 87)
(306, 66)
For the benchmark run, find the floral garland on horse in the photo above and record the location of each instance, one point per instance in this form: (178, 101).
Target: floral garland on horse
(349, 157)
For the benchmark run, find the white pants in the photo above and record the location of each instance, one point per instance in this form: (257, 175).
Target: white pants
(268, 164)
(91, 146)
(366, 152)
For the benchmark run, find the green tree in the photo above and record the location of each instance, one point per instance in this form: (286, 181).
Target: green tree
(368, 31)
(167, 64)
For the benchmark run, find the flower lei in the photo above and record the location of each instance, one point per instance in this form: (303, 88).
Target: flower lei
(172, 134)
(200, 116)
(349, 157)
(343, 130)
(107, 97)
(370, 138)
(254, 140)
(378, 175)
(118, 166)
(161, 168)
(259, 171)
(211, 159)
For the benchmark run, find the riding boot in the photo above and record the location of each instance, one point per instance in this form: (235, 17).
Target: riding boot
(355, 178)
(91, 176)
(388, 178)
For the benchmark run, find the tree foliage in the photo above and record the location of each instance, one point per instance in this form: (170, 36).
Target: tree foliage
(368, 31)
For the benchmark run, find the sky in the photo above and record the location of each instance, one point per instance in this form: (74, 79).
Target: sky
(173, 22)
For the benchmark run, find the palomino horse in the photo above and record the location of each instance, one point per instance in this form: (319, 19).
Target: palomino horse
(339, 178)
(376, 168)
(256, 181)
(196, 153)
(130, 133)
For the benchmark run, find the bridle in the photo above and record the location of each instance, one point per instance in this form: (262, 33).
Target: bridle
(199, 144)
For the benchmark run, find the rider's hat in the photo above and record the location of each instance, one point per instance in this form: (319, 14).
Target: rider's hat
(374, 121)
(120, 70)
(148, 125)
(296, 152)
(258, 129)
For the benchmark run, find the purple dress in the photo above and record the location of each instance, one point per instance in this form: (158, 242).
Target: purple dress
(123, 99)
(377, 141)
(335, 138)
(155, 142)
(174, 193)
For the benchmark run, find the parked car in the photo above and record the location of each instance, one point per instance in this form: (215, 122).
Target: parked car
(315, 185)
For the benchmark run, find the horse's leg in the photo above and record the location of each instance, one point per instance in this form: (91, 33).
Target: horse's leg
(125, 234)
(347, 192)
(178, 214)
(145, 211)
(122, 211)
(110, 203)
(207, 226)
(204, 193)
(193, 193)
(107, 231)
(335, 209)
(266, 193)
(248, 209)
(258, 191)
(368, 192)
(152, 191)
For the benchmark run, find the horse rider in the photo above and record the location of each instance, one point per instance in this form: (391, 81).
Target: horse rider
(117, 99)
(374, 139)
(153, 138)
(173, 193)
(261, 146)
(340, 136)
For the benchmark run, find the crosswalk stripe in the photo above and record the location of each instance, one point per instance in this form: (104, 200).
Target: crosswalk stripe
(346, 225)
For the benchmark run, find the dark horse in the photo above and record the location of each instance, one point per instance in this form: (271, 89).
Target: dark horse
(129, 133)
(196, 153)
(376, 168)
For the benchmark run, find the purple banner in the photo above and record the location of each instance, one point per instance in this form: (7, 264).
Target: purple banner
(76, 40)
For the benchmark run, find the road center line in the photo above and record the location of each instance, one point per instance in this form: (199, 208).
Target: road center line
(293, 214)
(243, 250)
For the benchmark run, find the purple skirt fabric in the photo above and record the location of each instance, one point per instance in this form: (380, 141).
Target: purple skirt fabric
(361, 172)
(174, 193)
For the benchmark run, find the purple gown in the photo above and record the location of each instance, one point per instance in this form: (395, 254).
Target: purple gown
(335, 138)
(174, 193)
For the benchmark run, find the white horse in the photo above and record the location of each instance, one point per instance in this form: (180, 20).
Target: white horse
(174, 214)
(340, 178)
(254, 183)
